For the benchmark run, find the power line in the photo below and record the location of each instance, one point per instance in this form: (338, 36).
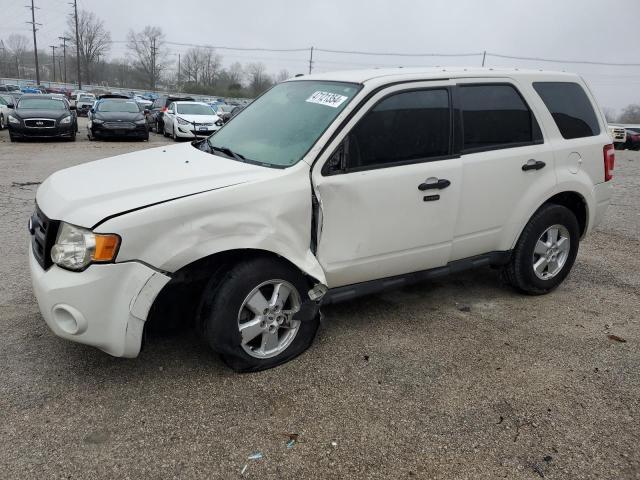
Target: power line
(556, 60)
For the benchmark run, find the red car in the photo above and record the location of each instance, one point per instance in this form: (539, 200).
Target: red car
(633, 139)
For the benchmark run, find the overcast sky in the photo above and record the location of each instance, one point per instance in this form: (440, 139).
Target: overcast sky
(594, 30)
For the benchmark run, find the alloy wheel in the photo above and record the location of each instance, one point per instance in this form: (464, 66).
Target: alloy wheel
(266, 319)
(551, 252)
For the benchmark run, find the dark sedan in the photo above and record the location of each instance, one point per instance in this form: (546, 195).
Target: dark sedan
(42, 116)
(117, 117)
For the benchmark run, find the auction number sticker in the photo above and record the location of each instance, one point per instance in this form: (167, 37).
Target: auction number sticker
(328, 99)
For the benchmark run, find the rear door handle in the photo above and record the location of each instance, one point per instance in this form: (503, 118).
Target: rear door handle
(434, 183)
(533, 165)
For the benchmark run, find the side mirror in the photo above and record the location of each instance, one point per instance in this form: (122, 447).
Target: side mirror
(72, 107)
(146, 111)
(11, 106)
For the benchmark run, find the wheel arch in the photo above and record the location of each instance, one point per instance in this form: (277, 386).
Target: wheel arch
(573, 200)
(177, 303)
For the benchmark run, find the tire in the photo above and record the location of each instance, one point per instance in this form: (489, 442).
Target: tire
(72, 138)
(173, 134)
(164, 131)
(1, 121)
(12, 138)
(223, 309)
(520, 273)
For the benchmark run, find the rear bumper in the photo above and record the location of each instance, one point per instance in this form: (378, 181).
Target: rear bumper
(104, 306)
(602, 193)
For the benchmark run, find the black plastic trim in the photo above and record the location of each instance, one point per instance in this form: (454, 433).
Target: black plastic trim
(350, 292)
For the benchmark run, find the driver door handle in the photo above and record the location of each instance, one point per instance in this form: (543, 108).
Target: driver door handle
(433, 184)
(533, 165)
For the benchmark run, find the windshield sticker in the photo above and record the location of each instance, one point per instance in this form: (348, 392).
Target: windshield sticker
(328, 99)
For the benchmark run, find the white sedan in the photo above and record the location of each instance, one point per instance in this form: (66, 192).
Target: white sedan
(190, 120)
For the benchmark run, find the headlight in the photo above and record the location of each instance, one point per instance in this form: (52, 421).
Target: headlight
(76, 248)
(97, 121)
(140, 122)
(182, 121)
(13, 119)
(65, 120)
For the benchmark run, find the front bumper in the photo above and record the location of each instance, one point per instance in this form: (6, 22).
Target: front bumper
(20, 131)
(101, 131)
(104, 306)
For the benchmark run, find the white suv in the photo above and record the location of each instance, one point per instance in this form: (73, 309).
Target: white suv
(325, 188)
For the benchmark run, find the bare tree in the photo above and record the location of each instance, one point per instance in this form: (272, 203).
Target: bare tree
(283, 75)
(235, 73)
(609, 114)
(18, 45)
(630, 114)
(148, 49)
(94, 41)
(259, 80)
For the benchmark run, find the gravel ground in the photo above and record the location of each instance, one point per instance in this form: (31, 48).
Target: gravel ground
(409, 384)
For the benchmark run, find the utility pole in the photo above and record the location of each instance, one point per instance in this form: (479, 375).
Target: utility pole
(64, 56)
(178, 70)
(311, 61)
(75, 13)
(35, 42)
(53, 54)
(153, 64)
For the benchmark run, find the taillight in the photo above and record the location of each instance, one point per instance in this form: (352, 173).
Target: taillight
(164, 109)
(609, 161)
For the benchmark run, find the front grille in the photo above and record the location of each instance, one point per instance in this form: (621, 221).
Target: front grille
(43, 236)
(120, 125)
(40, 123)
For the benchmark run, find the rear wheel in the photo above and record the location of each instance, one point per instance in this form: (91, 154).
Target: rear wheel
(545, 251)
(257, 316)
(1, 121)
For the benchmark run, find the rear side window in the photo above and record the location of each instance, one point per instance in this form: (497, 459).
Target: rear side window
(570, 108)
(496, 116)
(403, 128)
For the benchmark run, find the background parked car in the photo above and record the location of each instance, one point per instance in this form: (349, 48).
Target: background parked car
(4, 111)
(224, 111)
(633, 139)
(618, 134)
(42, 116)
(160, 105)
(84, 103)
(117, 117)
(190, 120)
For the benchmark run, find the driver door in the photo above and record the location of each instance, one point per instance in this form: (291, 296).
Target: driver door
(389, 187)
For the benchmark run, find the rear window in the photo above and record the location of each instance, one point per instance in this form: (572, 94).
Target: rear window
(570, 108)
(496, 116)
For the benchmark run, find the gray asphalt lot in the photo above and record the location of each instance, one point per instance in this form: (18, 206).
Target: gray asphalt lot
(409, 384)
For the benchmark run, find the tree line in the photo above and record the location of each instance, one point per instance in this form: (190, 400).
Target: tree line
(148, 64)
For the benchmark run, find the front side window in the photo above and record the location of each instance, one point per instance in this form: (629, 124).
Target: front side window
(280, 127)
(405, 127)
(496, 116)
(570, 108)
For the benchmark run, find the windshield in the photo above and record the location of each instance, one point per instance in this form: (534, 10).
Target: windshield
(194, 109)
(87, 98)
(41, 104)
(111, 106)
(281, 126)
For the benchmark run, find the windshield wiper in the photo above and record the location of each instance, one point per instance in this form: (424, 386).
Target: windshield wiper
(229, 153)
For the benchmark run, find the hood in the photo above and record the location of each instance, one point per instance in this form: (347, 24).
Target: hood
(199, 118)
(115, 116)
(86, 194)
(27, 113)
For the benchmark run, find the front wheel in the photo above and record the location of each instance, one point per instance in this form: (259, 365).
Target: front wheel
(545, 252)
(258, 316)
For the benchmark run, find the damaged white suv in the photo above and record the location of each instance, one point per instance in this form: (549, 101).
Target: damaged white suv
(325, 188)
